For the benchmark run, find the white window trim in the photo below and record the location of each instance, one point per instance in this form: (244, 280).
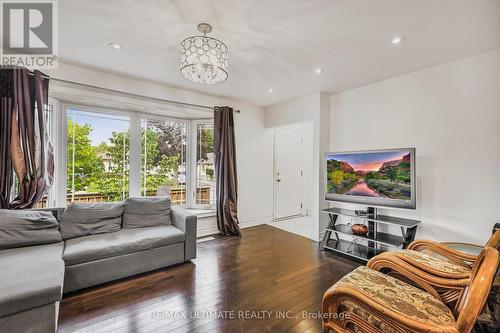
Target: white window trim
(135, 161)
(60, 157)
(193, 166)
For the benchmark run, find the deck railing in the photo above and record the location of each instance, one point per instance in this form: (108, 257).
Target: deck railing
(177, 195)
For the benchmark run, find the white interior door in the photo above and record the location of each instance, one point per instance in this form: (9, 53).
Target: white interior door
(287, 173)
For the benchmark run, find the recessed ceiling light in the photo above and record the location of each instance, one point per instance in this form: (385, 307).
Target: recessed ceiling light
(270, 90)
(319, 70)
(114, 45)
(398, 40)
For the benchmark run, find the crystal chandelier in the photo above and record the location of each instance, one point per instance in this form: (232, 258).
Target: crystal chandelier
(204, 59)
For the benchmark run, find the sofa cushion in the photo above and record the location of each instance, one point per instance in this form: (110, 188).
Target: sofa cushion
(31, 277)
(19, 228)
(91, 219)
(90, 248)
(146, 212)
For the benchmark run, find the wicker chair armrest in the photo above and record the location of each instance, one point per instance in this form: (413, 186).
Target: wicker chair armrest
(449, 289)
(457, 257)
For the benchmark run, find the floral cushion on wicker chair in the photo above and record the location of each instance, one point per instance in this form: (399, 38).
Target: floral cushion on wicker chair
(437, 263)
(396, 295)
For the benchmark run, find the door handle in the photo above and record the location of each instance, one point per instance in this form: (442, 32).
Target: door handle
(278, 180)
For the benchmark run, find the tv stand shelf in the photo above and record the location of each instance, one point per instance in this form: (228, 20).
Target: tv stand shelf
(377, 237)
(356, 250)
(377, 242)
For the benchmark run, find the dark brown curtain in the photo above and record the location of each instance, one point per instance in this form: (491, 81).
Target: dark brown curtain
(225, 171)
(7, 109)
(25, 146)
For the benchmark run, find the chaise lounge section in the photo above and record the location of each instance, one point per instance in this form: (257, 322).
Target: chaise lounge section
(32, 271)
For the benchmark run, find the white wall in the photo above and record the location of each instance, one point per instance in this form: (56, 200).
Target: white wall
(451, 114)
(299, 114)
(254, 152)
(253, 139)
(314, 109)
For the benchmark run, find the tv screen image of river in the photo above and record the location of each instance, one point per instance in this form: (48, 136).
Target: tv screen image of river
(370, 174)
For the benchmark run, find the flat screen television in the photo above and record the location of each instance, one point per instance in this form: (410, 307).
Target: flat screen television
(372, 177)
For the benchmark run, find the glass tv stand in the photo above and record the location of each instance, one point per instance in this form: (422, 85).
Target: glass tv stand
(365, 247)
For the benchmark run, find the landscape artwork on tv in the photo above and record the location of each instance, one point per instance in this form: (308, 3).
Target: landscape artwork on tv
(385, 174)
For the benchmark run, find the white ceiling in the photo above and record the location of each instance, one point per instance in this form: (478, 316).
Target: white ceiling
(278, 43)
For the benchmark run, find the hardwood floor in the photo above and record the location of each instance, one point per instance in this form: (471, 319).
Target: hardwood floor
(267, 272)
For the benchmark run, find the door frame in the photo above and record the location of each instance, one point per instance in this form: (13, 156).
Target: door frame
(275, 135)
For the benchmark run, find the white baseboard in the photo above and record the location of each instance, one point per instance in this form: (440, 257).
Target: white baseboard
(253, 223)
(208, 225)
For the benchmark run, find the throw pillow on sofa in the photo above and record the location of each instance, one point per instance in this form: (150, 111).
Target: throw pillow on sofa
(146, 212)
(91, 219)
(19, 228)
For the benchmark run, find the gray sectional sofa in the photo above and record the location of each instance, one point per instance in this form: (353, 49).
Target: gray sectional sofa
(42, 257)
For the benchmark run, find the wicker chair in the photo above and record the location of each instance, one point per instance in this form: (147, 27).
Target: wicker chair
(434, 265)
(368, 301)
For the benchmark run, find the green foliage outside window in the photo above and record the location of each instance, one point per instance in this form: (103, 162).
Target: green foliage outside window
(162, 154)
(82, 158)
(103, 169)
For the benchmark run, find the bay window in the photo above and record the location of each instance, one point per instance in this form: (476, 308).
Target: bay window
(110, 155)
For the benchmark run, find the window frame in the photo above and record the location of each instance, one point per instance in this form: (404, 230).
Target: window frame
(60, 126)
(194, 173)
(98, 110)
(53, 126)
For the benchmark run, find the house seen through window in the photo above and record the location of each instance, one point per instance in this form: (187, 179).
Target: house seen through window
(98, 157)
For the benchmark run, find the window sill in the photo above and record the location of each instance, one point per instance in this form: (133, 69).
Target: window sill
(200, 213)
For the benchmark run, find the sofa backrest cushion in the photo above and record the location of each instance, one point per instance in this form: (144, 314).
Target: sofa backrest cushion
(19, 228)
(90, 219)
(146, 212)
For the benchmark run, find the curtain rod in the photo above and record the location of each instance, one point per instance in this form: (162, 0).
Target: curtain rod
(130, 94)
